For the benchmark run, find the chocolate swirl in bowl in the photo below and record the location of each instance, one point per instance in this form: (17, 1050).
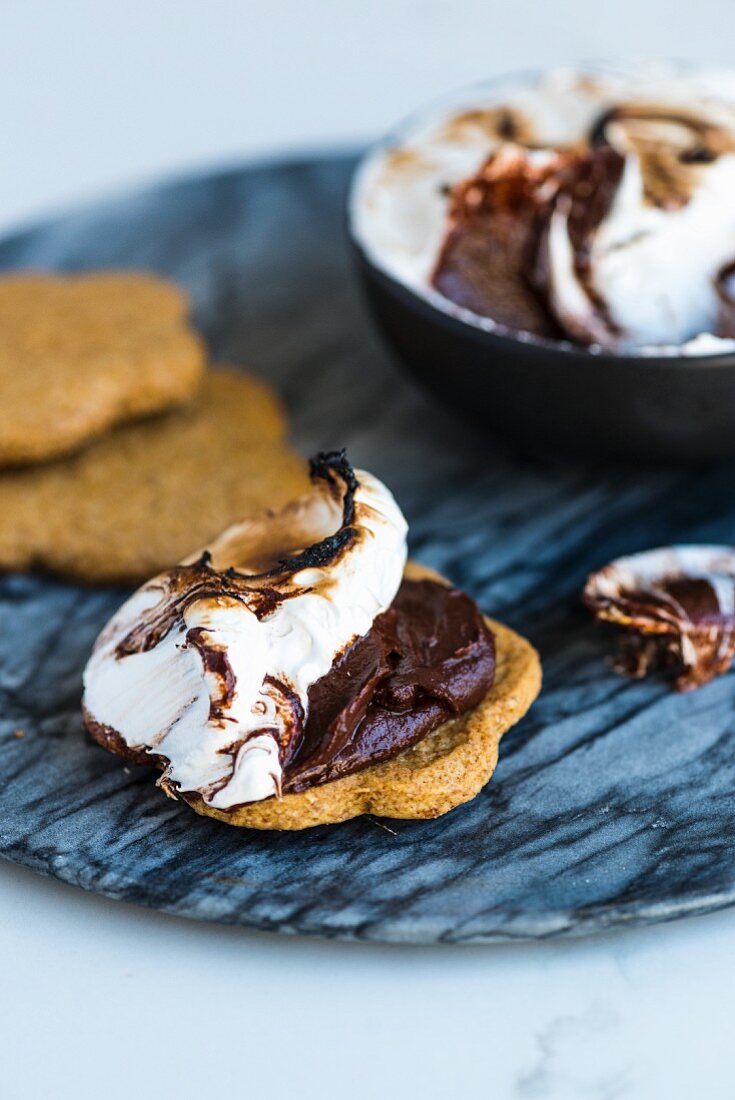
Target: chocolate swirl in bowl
(591, 208)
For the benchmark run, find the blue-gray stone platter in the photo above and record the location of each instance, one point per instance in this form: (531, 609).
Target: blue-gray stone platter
(613, 802)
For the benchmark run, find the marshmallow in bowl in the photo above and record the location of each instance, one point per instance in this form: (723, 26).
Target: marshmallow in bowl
(592, 207)
(206, 669)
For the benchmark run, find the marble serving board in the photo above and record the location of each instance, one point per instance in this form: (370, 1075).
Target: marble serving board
(613, 802)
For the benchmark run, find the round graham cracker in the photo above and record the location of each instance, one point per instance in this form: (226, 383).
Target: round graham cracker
(444, 770)
(80, 353)
(148, 494)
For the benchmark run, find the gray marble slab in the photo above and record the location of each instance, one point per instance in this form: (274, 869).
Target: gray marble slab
(613, 803)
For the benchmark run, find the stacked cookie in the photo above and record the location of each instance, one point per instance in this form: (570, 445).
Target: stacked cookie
(119, 453)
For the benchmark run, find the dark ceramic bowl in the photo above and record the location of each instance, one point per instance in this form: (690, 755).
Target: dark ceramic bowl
(556, 397)
(552, 395)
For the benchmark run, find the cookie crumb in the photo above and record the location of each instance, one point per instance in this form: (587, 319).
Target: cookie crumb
(382, 825)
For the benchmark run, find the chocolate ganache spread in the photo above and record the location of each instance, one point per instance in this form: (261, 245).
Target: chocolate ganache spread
(428, 658)
(289, 653)
(593, 207)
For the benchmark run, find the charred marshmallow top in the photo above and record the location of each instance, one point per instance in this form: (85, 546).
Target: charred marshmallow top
(207, 667)
(607, 198)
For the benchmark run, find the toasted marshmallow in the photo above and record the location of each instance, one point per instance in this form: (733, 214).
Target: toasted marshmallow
(208, 666)
(646, 278)
(654, 268)
(677, 604)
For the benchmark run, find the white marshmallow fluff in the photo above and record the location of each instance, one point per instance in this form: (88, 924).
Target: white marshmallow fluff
(652, 266)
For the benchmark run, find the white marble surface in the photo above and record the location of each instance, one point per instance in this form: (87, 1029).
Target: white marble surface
(102, 999)
(95, 94)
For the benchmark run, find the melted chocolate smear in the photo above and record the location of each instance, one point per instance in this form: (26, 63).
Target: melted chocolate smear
(495, 223)
(428, 658)
(668, 164)
(184, 585)
(494, 260)
(215, 662)
(507, 126)
(111, 740)
(692, 599)
(680, 623)
(591, 181)
(697, 155)
(288, 738)
(708, 139)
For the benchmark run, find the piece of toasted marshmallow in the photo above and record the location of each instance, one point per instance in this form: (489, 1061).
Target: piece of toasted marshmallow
(207, 667)
(677, 604)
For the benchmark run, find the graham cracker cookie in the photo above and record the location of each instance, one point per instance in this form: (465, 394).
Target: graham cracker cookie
(147, 494)
(442, 771)
(80, 353)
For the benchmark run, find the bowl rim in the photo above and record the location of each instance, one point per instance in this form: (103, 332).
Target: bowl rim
(558, 351)
(434, 302)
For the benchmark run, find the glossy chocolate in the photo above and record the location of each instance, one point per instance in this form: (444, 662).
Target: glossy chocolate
(428, 658)
(494, 257)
